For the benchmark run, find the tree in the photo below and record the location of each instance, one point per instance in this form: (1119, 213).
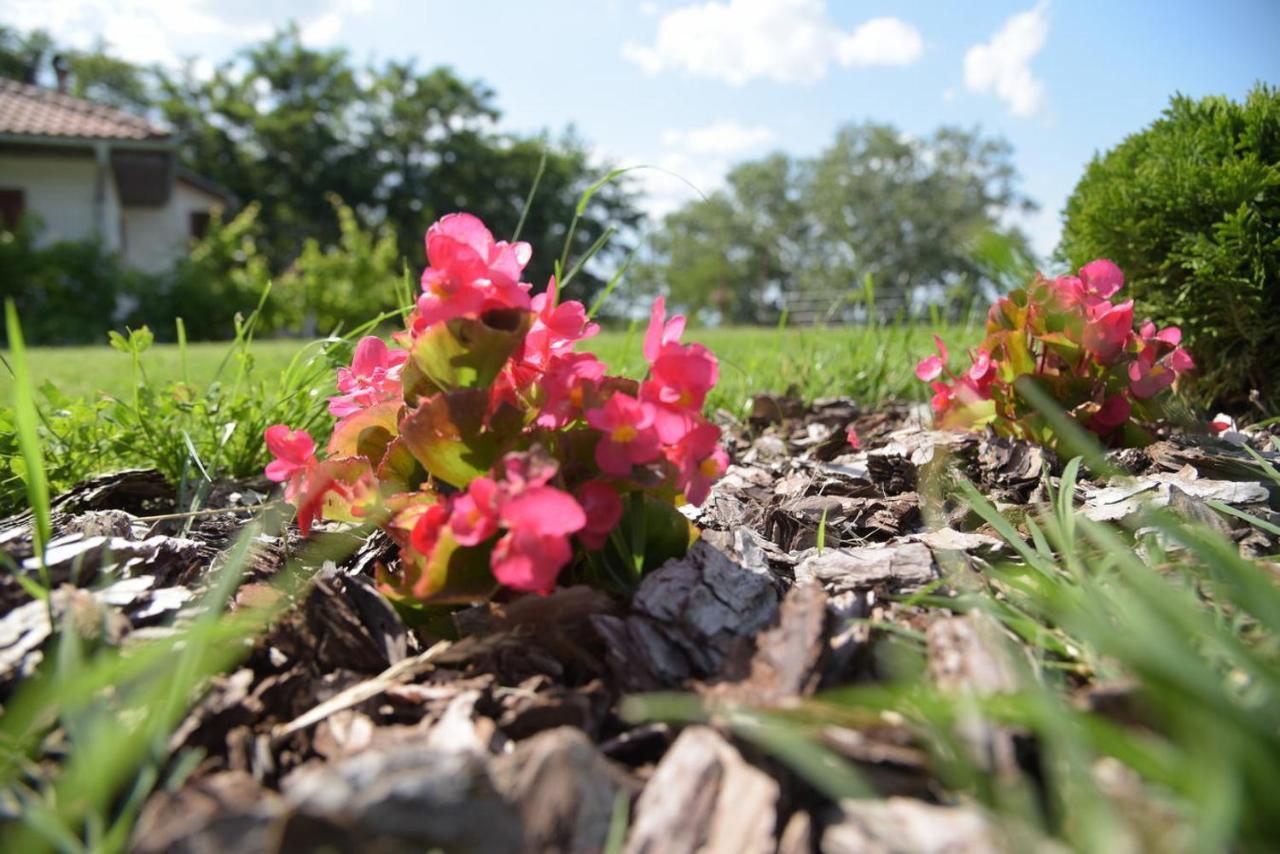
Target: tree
(905, 210)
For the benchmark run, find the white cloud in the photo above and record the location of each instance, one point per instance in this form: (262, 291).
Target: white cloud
(724, 138)
(648, 8)
(322, 30)
(1002, 65)
(163, 31)
(791, 41)
(881, 41)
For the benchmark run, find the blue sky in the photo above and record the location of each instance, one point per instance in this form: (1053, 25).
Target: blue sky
(696, 86)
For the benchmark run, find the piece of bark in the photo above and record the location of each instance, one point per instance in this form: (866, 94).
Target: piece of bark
(969, 656)
(897, 567)
(688, 616)
(705, 797)
(788, 657)
(225, 811)
(906, 826)
(1125, 497)
(352, 626)
(564, 790)
(407, 794)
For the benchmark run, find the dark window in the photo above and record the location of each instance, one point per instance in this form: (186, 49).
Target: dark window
(199, 224)
(12, 206)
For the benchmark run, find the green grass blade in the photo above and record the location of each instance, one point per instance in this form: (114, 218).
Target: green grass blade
(26, 417)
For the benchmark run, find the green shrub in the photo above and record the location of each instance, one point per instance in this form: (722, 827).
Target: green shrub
(66, 292)
(1190, 209)
(224, 275)
(339, 285)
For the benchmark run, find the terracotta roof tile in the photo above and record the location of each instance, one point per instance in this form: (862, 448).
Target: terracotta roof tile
(33, 111)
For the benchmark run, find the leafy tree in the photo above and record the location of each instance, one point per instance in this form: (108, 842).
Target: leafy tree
(284, 126)
(1190, 210)
(908, 211)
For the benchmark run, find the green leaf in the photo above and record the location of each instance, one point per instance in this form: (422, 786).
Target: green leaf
(446, 433)
(469, 352)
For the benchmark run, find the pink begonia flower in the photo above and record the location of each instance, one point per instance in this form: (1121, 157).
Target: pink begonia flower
(522, 471)
(469, 272)
(1180, 361)
(525, 561)
(1147, 380)
(1108, 329)
(852, 436)
(294, 452)
(942, 396)
(603, 508)
(570, 381)
(678, 384)
(1102, 278)
(556, 328)
(1170, 335)
(426, 530)
(474, 513)
(536, 547)
(374, 376)
(983, 371)
(629, 435)
(699, 462)
(661, 331)
(931, 367)
(1114, 412)
(1068, 291)
(545, 511)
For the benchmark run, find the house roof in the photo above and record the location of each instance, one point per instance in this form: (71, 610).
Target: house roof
(27, 110)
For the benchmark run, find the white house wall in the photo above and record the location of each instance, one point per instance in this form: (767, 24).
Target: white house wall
(59, 190)
(154, 237)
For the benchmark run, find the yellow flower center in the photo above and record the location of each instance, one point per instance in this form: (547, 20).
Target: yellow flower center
(624, 434)
(710, 467)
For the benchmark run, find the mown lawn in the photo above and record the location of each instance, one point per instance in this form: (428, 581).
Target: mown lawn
(868, 364)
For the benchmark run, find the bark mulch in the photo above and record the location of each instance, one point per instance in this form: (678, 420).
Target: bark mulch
(342, 728)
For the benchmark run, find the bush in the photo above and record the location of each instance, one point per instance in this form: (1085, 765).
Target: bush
(339, 285)
(1190, 209)
(224, 275)
(65, 293)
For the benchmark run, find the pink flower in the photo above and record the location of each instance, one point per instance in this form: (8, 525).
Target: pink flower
(983, 371)
(678, 383)
(1068, 291)
(469, 272)
(942, 396)
(661, 331)
(1113, 413)
(570, 382)
(931, 367)
(536, 546)
(556, 328)
(699, 462)
(1101, 278)
(525, 561)
(474, 513)
(852, 436)
(427, 528)
(374, 376)
(529, 470)
(294, 452)
(603, 508)
(1170, 335)
(1108, 329)
(629, 435)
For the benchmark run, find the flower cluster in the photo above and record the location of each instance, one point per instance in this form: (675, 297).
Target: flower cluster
(1070, 337)
(495, 453)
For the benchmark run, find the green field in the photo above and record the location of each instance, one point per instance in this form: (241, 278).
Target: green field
(867, 364)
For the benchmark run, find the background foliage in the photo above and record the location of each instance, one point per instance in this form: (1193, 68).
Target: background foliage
(905, 210)
(1190, 210)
